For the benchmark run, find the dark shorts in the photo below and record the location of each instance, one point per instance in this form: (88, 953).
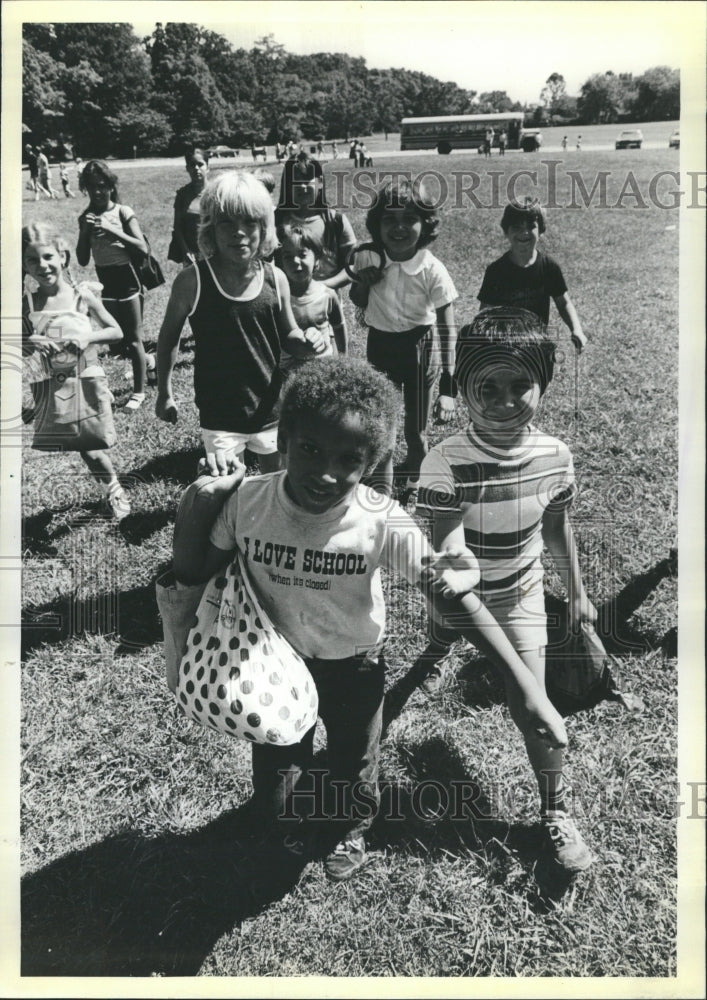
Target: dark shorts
(120, 282)
(405, 358)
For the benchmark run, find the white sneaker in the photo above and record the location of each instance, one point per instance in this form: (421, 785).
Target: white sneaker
(135, 401)
(117, 502)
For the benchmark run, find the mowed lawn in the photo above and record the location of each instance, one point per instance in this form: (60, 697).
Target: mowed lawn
(134, 855)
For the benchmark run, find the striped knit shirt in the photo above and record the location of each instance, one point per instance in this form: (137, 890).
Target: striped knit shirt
(500, 496)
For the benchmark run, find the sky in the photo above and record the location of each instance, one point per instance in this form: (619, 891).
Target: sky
(512, 46)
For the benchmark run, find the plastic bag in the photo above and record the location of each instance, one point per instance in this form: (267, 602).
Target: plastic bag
(239, 675)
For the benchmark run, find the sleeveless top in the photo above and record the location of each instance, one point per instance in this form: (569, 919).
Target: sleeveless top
(108, 250)
(237, 380)
(58, 324)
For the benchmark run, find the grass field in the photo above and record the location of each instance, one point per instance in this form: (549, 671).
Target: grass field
(132, 817)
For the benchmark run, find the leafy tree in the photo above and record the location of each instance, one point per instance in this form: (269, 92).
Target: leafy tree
(600, 99)
(553, 93)
(147, 130)
(658, 95)
(43, 99)
(494, 100)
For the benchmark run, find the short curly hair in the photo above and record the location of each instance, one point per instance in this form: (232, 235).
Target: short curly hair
(332, 388)
(404, 194)
(500, 334)
(232, 193)
(520, 211)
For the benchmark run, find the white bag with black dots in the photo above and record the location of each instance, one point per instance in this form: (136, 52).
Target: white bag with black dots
(239, 675)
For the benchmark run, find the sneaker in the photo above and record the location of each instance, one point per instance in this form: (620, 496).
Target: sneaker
(135, 401)
(117, 502)
(347, 857)
(565, 843)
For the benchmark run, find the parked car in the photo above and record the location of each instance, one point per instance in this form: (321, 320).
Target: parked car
(674, 140)
(223, 151)
(531, 140)
(630, 138)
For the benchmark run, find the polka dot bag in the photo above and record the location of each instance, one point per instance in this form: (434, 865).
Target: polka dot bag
(239, 675)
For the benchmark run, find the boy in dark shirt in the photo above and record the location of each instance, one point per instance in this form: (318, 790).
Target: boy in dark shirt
(525, 277)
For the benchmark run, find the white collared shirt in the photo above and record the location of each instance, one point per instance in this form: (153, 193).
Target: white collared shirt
(409, 292)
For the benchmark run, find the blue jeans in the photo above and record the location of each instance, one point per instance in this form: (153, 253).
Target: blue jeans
(351, 708)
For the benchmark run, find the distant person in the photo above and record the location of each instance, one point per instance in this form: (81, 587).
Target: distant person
(109, 231)
(579, 142)
(353, 151)
(320, 148)
(45, 175)
(364, 160)
(564, 142)
(64, 178)
(502, 142)
(302, 202)
(526, 278)
(488, 141)
(279, 152)
(184, 245)
(32, 163)
(334, 151)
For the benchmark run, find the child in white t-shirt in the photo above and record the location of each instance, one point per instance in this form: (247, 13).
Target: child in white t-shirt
(314, 541)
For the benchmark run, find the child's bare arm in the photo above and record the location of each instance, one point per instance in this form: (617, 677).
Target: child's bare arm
(560, 543)
(109, 331)
(195, 557)
(83, 246)
(338, 323)
(567, 311)
(295, 341)
(181, 301)
(471, 619)
(446, 327)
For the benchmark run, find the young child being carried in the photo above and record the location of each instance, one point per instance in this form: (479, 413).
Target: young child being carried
(60, 344)
(326, 597)
(407, 295)
(503, 488)
(303, 203)
(525, 277)
(314, 304)
(238, 307)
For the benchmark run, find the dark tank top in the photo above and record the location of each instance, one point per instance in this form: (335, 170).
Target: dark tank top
(237, 378)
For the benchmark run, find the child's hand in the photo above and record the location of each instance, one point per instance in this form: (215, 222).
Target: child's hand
(166, 409)
(453, 572)
(79, 341)
(444, 409)
(579, 341)
(220, 463)
(544, 719)
(369, 275)
(317, 341)
(581, 610)
(47, 346)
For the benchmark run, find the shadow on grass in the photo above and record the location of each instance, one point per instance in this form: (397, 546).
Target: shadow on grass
(133, 906)
(130, 615)
(481, 685)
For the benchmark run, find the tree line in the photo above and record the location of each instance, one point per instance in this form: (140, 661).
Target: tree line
(110, 92)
